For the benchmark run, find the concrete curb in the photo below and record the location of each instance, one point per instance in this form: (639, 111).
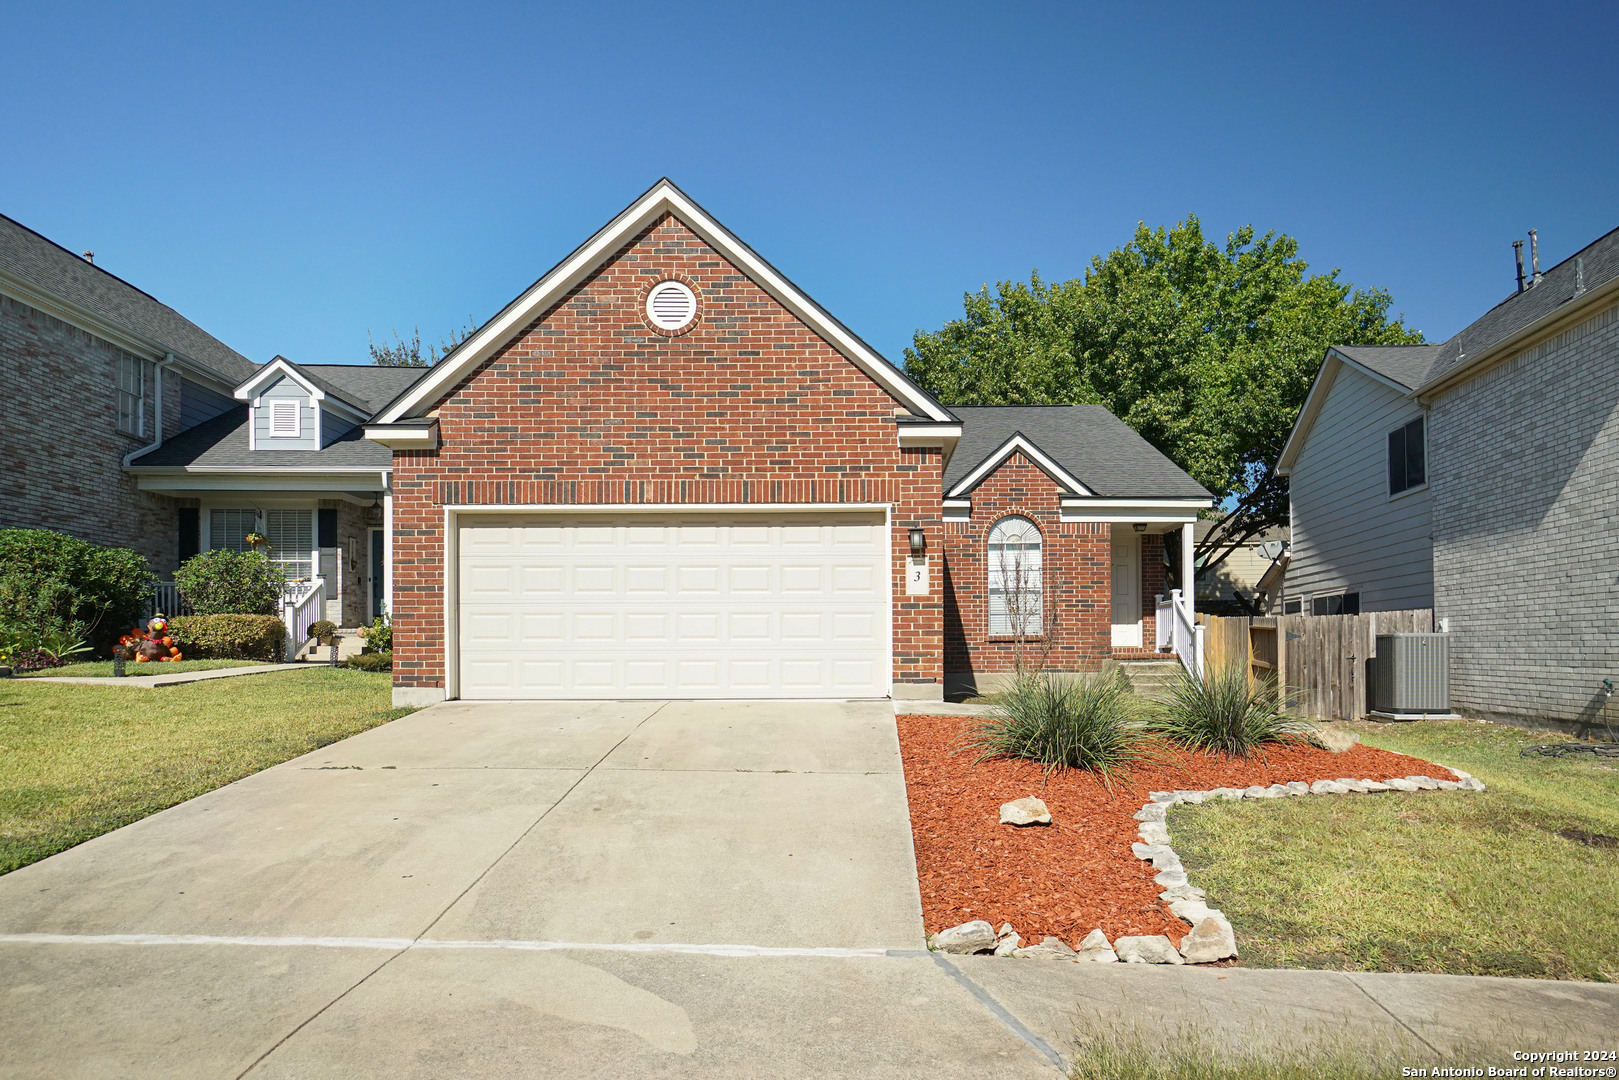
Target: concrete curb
(152, 682)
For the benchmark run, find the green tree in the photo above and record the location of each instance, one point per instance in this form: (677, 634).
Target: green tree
(402, 353)
(1207, 350)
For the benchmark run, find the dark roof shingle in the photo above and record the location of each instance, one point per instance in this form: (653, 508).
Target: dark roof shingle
(1407, 365)
(1094, 446)
(222, 443)
(53, 269)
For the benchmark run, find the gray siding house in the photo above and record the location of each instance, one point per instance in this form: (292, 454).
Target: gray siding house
(1480, 475)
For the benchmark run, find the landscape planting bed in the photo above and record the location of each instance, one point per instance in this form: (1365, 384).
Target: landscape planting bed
(1076, 874)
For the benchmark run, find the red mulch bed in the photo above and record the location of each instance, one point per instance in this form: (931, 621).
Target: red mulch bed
(1076, 874)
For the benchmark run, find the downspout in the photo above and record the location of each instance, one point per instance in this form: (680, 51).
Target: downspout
(157, 412)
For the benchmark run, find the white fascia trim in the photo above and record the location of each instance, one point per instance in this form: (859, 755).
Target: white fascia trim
(958, 510)
(1152, 511)
(663, 197)
(929, 434)
(660, 508)
(244, 391)
(403, 436)
(1034, 453)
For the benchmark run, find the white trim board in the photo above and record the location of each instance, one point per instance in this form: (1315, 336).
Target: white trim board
(663, 197)
(1017, 442)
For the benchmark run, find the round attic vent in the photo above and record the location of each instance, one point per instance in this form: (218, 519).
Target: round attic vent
(671, 305)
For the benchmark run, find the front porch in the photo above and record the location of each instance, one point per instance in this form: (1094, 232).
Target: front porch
(330, 535)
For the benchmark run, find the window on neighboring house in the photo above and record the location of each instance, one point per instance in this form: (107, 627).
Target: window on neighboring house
(1016, 594)
(133, 377)
(1408, 457)
(1292, 607)
(1338, 604)
(292, 539)
(284, 419)
(228, 529)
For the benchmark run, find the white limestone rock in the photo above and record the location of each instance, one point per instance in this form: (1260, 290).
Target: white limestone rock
(1153, 832)
(1257, 792)
(1008, 945)
(1328, 787)
(1376, 785)
(1297, 787)
(1151, 812)
(1051, 948)
(1472, 783)
(1424, 783)
(1030, 811)
(1096, 950)
(1169, 879)
(1147, 949)
(1400, 783)
(970, 937)
(1351, 784)
(1190, 798)
(1229, 793)
(1334, 739)
(1211, 939)
(1181, 892)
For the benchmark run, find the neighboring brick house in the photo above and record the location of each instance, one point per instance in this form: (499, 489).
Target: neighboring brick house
(664, 471)
(128, 425)
(1479, 477)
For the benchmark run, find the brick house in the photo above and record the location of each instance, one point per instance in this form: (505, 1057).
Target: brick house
(664, 471)
(129, 425)
(1479, 477)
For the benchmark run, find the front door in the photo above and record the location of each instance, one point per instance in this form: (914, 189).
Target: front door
(379, 575)
(1126, 587)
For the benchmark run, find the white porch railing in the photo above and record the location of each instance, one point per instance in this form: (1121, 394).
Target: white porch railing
(1178, 630)
(166, 598)
(303, 604)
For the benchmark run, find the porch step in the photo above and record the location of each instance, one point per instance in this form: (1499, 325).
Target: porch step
(1150, 678)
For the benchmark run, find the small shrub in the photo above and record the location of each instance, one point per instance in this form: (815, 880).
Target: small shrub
(1088, 722)
(1226, 711)
(34, 660)
(52, 583)
(229, 637)
(372, 661)
(322, 628)
(230, 583)
(379, 636)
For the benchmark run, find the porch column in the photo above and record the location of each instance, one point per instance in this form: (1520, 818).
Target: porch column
(388, 549)
(1188, 566)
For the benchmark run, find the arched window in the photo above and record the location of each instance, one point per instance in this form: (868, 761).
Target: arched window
(1016, 596)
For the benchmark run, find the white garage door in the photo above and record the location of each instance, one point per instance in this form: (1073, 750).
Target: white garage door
(689, 607)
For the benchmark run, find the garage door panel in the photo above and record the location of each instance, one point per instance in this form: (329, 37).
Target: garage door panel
(681, 608)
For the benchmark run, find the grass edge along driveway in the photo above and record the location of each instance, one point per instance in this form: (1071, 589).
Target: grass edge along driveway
(79, 761)
(1501, 882)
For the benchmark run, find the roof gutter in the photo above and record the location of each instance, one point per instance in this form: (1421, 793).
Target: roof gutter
(157, 411)
(1541, 328)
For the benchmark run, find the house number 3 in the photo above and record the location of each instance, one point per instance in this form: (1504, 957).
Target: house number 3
(916, 576)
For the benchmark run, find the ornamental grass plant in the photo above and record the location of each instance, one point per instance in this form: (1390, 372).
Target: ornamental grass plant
(1225, 711)
(1085, 722)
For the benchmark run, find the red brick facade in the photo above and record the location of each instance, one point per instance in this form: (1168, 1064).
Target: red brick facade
(591, 405)
(62, 392)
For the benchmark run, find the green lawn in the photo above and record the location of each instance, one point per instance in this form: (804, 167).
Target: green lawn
(78, 761)
(102, 669)
(1516, 880)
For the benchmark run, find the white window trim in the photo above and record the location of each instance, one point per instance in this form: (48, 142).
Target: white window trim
(297, 431)
(990, 589)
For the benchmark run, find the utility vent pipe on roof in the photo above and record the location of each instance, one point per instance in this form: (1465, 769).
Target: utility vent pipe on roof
(1579, 276)
(1517, 255)
(1534, 256)
(89, 257)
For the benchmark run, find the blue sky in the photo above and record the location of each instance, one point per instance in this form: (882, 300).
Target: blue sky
(291, 178)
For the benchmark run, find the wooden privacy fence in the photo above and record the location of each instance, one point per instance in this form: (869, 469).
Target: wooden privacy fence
(1323, 661)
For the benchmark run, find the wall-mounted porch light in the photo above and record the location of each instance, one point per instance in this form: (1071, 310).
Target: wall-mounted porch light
(919, 541)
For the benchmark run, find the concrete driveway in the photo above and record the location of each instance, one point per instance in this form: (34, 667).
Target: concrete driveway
(588, 889)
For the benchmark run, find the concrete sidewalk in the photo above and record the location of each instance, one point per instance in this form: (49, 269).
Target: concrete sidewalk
(601, 889)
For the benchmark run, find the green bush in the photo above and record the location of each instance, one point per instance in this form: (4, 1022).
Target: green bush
(379, 636)
(1226, 711)
(55, 584)
(372, 661)
(322, 628)
(230, 583)
(229, 637)
(1084, 722)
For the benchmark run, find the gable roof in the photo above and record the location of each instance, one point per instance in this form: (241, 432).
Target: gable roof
(45, 265)
(661, 198)
(222, 443)
(1087, 442)
(1522, 310)
(1407, 365)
